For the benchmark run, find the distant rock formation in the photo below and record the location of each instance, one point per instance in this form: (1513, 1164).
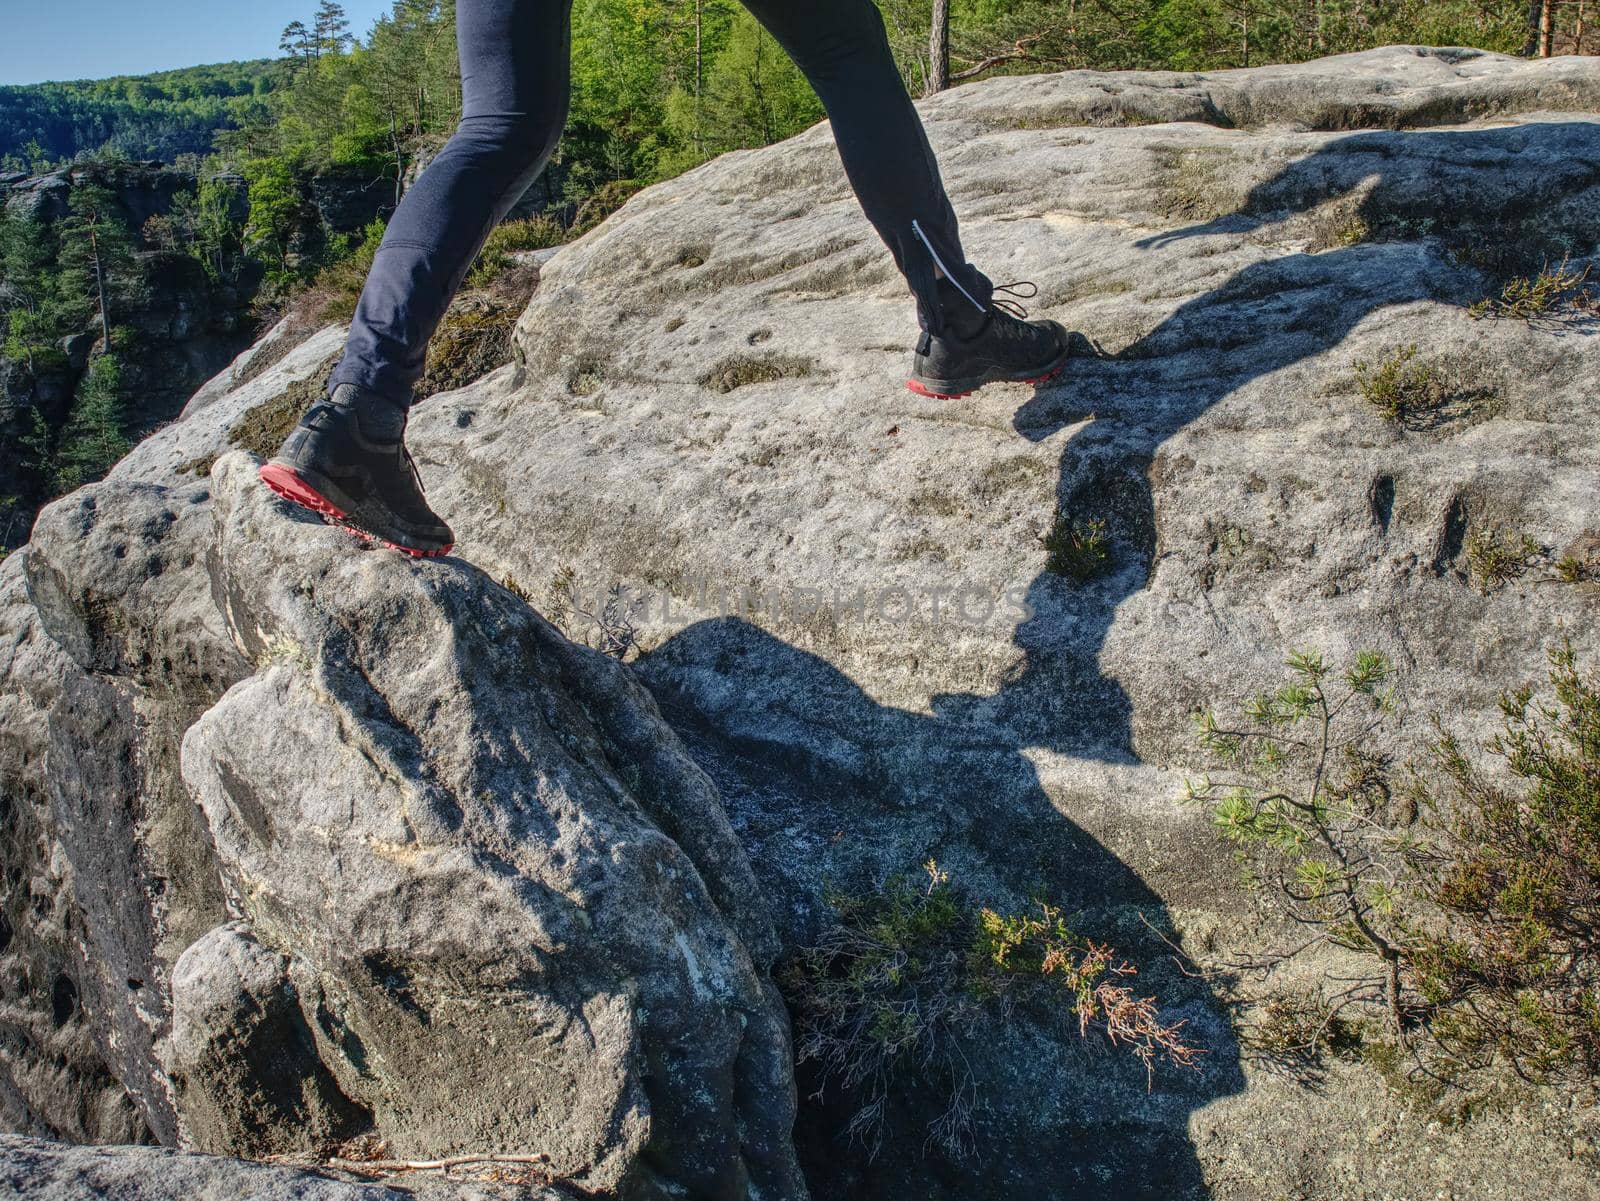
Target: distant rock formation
(306, 842)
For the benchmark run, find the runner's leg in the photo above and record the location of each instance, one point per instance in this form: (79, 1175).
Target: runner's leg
(514, 82)
(843, 49)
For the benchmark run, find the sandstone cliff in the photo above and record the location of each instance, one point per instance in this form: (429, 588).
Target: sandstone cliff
(306, 842)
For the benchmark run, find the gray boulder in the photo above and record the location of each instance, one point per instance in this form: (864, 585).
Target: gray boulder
(462, 827)
(44, 1171)
(409, 817)
(243, 1061)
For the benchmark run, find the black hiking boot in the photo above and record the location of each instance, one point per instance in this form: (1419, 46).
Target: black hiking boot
(358, 472)
(980, 348)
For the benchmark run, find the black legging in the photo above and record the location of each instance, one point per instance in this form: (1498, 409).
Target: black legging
(515, 82)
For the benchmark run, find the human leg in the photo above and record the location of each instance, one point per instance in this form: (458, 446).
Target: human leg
(843, 50)
(514, 81)
(969, 337)
(346, 459)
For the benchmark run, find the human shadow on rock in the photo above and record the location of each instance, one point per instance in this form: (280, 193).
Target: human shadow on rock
(1442, 227)
(830, 790)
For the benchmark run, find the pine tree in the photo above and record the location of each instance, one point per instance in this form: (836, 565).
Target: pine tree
(97, 253)
(330, 30)
(297, 42)
(93, 439)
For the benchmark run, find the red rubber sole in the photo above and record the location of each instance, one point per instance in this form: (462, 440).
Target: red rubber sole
(917, 387)
(291, 487)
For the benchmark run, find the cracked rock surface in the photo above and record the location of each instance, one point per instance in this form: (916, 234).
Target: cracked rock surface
(305, 841)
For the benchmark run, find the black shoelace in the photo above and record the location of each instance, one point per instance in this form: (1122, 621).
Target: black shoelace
(415, 474)
(1010, 306)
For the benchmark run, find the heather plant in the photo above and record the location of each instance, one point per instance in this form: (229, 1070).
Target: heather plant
(1510, 964)
(1078, 548)
(1472, 892)
(1402, 389)
(911, 973)
(1557, 294)
(1496, 556)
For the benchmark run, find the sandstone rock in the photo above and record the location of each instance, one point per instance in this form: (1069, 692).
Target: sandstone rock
(510, 954)
(44, 1171)
(705, 404)
(242, 1059)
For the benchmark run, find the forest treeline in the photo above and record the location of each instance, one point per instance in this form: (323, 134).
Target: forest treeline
(164, 116)
(659, 86)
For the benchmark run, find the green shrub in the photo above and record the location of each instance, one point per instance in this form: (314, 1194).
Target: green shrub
(1554, 295)
(506, 239)
(910, 972)
(345, 274)
(1308, 805)
(1400, 388)
(1496, 556)
(1510, 967)
(1078, 549)
(1477, 902)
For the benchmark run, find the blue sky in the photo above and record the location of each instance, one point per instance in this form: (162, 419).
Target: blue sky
(91, 39)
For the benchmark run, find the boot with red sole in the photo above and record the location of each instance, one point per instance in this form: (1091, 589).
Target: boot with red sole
(988, 346)
(358, 475)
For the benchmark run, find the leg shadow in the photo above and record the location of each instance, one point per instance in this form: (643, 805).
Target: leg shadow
(830, 790)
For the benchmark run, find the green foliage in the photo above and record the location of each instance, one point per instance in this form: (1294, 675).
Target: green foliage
(201, 225)
(35, 312)
(533, 233)
(1078, 548)
(160, 116)
(1418, 395)
(93, 439)
(275, 208)
(1308, 805)
(1496, 556)
(1400, 388)
(912, 971)
(1021, 36)
(98, 273)
(1576, 569)
(345, 274)
(1555, 295)
(1475, 895)
(1510, 966)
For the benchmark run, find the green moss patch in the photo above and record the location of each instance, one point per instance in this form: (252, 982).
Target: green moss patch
(741, 370)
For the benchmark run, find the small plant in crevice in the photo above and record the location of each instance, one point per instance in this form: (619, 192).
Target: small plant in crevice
(1555, 295)
(1078, 548)
(602, 624)
(1474, 896)
(1403, 390)
(911, 974)
(1574, 570)
(741, 371)
(1496, 555)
